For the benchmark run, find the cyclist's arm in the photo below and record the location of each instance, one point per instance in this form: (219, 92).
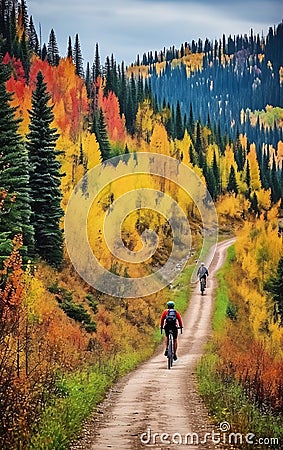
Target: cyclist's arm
(179, 318)
(163, 318)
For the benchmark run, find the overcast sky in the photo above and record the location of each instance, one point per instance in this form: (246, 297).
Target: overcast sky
(130, 27)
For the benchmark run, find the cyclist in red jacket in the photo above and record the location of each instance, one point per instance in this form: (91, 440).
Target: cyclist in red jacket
(171, 320)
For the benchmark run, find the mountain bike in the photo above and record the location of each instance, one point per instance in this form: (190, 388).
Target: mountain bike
(202, 285)
(170, 349)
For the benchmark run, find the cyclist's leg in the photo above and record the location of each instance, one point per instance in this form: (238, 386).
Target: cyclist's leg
(166, 340)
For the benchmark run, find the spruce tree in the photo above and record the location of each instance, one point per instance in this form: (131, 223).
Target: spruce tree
(191, 124)
(248, 178)
(232, 182)
(77, 57)
(275, 287)
(14, 172)
(179, 129)
(44, 52)
(24, 13)
(70, 48)
(216, 173)
(99, 128)
(33, 38)
(45, 177)
(96, 64)
(275, 186)
(52, 50)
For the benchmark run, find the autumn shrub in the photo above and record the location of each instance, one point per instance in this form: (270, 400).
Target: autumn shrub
(25, 378)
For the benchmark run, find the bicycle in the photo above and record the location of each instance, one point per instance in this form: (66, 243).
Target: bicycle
(170, 347)
(202, 285)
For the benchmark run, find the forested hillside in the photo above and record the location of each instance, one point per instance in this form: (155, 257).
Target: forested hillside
(215, 107)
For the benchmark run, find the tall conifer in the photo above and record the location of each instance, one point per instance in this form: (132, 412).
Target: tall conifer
(52, 50)
(14, 172)
(45, 177)
(77, 57)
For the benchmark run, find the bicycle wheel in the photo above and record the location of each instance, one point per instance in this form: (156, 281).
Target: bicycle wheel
(202, 286)
(170, 351)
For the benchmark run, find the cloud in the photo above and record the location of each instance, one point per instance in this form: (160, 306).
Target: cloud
(130, 27)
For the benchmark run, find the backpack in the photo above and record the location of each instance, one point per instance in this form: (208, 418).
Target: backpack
(171, 318)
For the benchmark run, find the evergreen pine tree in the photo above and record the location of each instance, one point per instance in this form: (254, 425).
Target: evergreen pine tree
(24, 13)
(193, 159)
(275, 287)
(216, 173)
(25, 54)
(52, 50)
(33, 38)
(169, 123)
(70, 49)
(211, 183)
(45, 177)
(44, 52)
(179, 129)
(77, 57)
(14, 172)
(198, 144)
(275, 186)
(87, 80)
(232, 183)
(97, 66)
(254, 203)
(191, 124)
(99, 127)
(248, 178)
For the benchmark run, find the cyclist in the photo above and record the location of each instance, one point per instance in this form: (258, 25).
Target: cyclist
(173, 325)
(202, 273)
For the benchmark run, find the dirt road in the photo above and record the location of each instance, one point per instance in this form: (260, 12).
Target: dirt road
(153, 400)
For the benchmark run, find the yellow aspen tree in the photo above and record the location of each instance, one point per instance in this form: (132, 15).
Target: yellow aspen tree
(180, 149)
(227, 161)
(91, 149)
(211, 150)
(254, 168)
(144, 120)
(264, 199)
(159, 140)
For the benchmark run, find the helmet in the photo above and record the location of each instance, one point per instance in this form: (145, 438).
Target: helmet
(170, 304)
(202, 264)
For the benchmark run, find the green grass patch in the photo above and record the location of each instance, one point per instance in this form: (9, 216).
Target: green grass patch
(77, 396)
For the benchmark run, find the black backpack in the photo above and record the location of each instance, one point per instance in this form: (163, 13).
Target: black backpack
(171, 318)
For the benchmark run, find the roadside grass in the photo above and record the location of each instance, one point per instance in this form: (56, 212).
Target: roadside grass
(226, 399)
(222, 297)
(227, 402)
(78, 394)
(181, 289)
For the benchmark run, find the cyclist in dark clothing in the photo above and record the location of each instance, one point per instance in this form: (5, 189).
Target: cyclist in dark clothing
(202, 273)
(167, 323)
